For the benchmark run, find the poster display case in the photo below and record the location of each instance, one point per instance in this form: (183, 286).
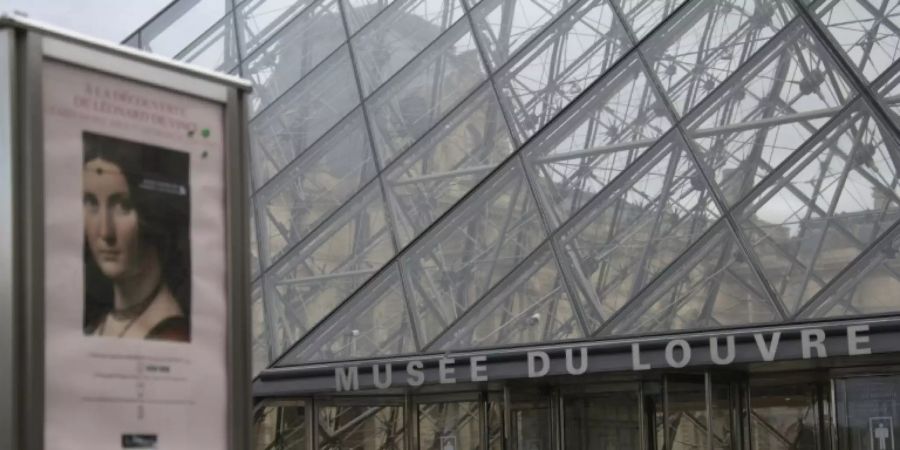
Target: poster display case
(123, 279)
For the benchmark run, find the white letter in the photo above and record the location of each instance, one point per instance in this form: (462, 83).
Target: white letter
(685, 353)
(545, 364)
(376, 378)
(767, 351)
(854, 340)
(714, 351)
(570, 363)
(808, 343)
(636, 363)
(478, 371)
(415, 375)
(346, 378)
(445, 374)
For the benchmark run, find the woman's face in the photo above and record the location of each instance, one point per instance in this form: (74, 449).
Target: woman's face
(110, 220)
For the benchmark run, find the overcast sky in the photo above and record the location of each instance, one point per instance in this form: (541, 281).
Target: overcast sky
(108, 19)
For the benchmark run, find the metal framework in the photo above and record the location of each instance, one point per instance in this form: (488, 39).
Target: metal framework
(452, 174)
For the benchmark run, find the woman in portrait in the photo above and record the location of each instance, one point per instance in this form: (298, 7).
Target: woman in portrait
(137, 259)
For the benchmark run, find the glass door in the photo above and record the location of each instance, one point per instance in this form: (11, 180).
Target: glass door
(449, 423)
(868, 412)
(604, 418)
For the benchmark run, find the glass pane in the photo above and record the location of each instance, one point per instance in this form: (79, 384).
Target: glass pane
(495, 412)
(505, 26)
(398, 35)
(706, 42)
(784, 417)
(293, 53)
(530, 421)
(360, 12)
(258, 20)
(313, 187)
(867, 31)
(595, 140)
(686, 413)
(344, 426)
(325, 269)
(769, 112)
(560, 64)
(827, 207)
(446, 164)
(300, 117)
(711, 286)
(644, 15)
(449, 426)
(869, 286)
(868, 413)
(602, 421)
(216, 50)
(281, 426)
(627, 236)
(724, 411)
(531, 305)
(181, 24)
(258, 326)
(471, 250)
(425, 91)
(374, 322)
(889, 94)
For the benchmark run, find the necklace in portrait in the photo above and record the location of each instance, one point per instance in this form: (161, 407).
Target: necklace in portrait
(133, 312)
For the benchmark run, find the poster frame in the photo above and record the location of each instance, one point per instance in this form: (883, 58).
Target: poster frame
(22, 350)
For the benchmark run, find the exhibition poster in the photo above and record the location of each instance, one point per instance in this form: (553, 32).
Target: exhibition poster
(135, 265)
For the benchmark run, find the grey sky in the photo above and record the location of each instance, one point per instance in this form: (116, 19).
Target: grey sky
(108, 19)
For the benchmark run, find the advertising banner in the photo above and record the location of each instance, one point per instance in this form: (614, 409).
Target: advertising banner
(135, 251)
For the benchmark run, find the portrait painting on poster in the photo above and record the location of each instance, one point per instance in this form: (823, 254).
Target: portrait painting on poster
(135, 264)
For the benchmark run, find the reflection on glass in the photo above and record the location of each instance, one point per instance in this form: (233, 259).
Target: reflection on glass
(602, 421)
(784, 417)
(373, 322)
(686, 419)
(260, 19)
(303, 114)
(866, 30)
(644, 15)
(216, 49)
(425, 91)
(459, 260)
(447, 163)
(869, 287)
(281, 426)
(711, 286)
(769, 112)
(706, 42)
(290, 54)
(360, 12)
(449, 426)
(595, 140)
(396, 36)
(180, 24)
(321, 272)
(530, 421)
(826, 208)
(625, 238)
(560, 64)
(356, 425)
(868, 412)
(531, 306)
(504, 26)
(313, 186)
